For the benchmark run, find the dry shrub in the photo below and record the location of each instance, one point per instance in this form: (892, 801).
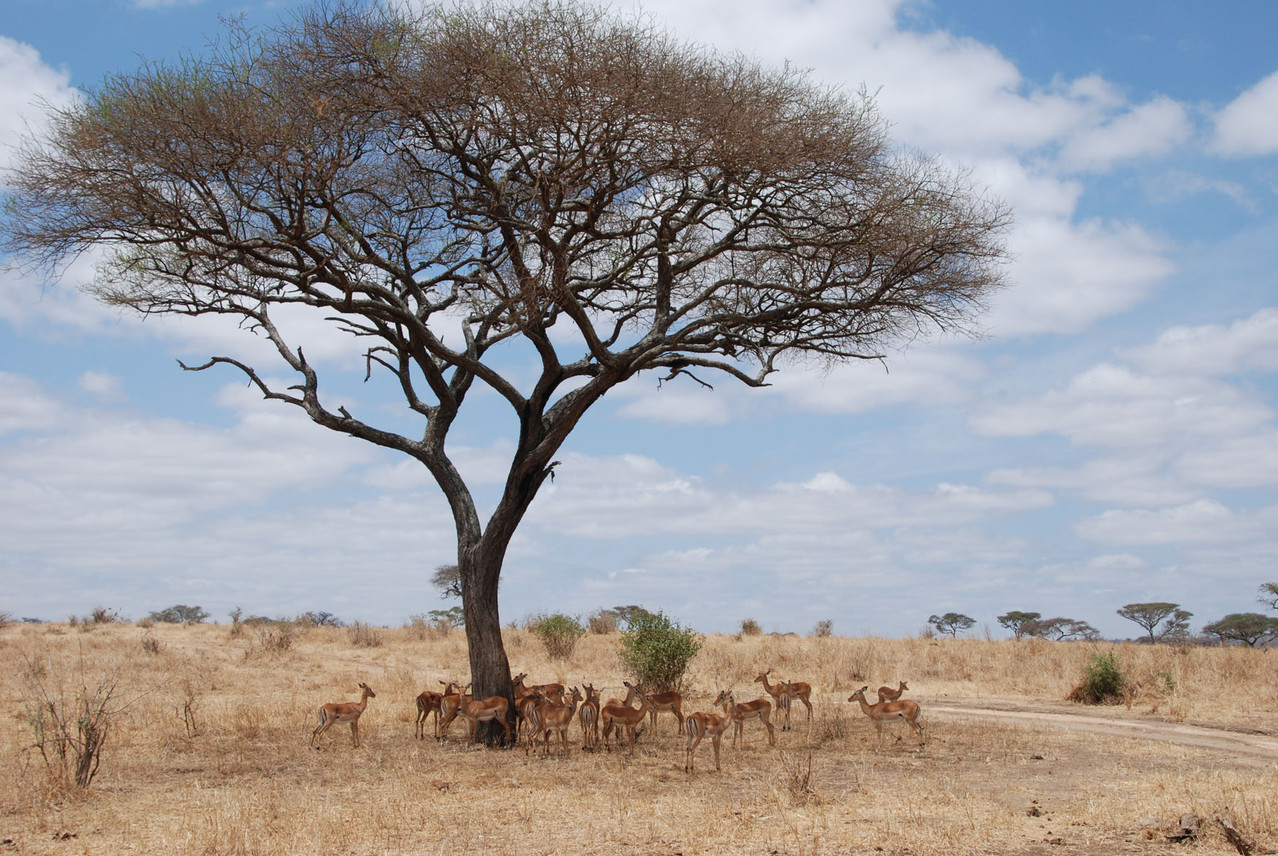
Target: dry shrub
(365, 636)
(272, 638)
(796, 779)
(70, 725)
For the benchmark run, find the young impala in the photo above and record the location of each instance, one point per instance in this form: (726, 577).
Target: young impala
(427, 703)
(345, 711)
(698, 725)
(889, 694)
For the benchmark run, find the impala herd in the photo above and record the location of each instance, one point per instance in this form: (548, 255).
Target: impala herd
(548, 710)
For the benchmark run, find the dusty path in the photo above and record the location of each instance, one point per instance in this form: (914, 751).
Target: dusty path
(1199, 736)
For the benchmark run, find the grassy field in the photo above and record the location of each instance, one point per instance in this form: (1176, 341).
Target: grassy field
(208, 751)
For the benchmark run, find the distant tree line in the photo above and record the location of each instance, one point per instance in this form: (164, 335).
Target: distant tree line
(1160, 621)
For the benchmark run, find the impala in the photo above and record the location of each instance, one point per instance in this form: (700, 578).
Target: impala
(698, 725)
(889, 694)
(589, 715)
(760, 709)
(624, 716)
(548, 716)
(343, 711)
(449, 705)
(784, 691)
(550, 691)
(427, 703)
(523, 709)
(491, 709)
(889, 710)
(671, 701)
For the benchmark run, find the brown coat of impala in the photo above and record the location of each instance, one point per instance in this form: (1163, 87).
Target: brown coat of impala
(889, 711)
(698, 726)
(783, 692)
(760, 709)
(889, 694)
(344, 711)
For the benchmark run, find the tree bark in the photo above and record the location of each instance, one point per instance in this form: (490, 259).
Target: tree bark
(489, 666)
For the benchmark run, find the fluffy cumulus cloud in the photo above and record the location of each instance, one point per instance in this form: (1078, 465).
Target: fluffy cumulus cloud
(25, 83)
(1067, 276)
(1244, 345)
(1154, 128)
(1248, 125)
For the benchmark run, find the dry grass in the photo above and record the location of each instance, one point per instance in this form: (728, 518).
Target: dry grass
(208, 752)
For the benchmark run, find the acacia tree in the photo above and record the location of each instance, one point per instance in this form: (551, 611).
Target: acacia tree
(1150, 615)
(952, 623)
(1020, 623)
(458, 185)
(1249, 628)
(1060, 629)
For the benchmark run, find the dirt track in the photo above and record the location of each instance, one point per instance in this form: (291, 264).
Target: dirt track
(1244, 744)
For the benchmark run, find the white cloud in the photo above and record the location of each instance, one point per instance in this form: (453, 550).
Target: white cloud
(1248, 125)
(25, 407)
(920, 376)
(26, 83)
(102, 385)
(1248, 344)
(1233, 462)
(1112, 406)
(1200, 521)
(1067, 276)
(1153, 128)
(1129, 480)
(678, 402)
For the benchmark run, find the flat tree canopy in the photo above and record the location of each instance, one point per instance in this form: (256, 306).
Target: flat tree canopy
(1150, 615)
(448, 183)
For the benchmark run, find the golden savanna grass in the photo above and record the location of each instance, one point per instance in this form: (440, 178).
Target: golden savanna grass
(208, 751)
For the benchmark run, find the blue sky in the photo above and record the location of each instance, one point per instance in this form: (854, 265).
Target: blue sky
(1110, 439)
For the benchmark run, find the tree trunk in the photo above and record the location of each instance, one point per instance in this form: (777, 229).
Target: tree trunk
(480, 571)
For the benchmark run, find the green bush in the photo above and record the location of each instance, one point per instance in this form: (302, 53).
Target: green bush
(559, 633)
(750, 627)
(1103, 680)
(657, 651)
